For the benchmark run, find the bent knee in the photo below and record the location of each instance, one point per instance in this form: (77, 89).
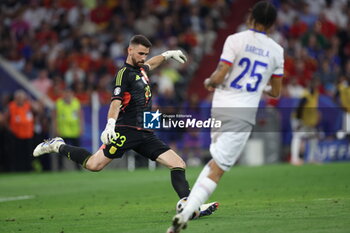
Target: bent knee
(94, 167)
(178, 164)
(171, 160)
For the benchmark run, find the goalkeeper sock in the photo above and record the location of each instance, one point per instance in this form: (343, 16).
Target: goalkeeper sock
(76, 154)
(179, 182)
(201, 191)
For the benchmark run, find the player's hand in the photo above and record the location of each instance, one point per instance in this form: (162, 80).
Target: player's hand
(109, 134)
(176, 55)
(267, 90)
(207, 85)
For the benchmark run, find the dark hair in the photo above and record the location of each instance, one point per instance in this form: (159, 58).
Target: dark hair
(140, 39)
(264, 13)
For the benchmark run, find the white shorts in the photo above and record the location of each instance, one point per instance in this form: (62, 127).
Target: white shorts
(227, 146)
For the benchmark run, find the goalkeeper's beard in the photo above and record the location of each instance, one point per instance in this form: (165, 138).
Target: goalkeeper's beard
(138, 63)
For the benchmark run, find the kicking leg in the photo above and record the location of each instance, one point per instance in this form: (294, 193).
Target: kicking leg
(179, 182)
(95, 162)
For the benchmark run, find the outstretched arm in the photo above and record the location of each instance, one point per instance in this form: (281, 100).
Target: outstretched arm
(155, 61)
(217, 77)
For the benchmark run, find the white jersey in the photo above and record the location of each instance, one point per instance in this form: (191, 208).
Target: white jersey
(255, 58)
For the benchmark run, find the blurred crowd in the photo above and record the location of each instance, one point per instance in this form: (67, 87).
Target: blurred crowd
(315, 36)
(79, 45)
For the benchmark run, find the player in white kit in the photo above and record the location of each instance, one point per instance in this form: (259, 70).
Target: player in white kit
(251, 63)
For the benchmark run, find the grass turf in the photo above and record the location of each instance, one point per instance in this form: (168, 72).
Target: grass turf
(274, 199)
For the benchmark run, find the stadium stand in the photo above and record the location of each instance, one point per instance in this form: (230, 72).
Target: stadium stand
(81, 44)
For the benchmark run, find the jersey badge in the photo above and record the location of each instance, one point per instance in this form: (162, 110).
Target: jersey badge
(117, 91)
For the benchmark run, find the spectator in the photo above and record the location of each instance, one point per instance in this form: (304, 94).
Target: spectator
(75, 12)
(347, 68)
(301, 73)
(208, 35)
(41, 131)
(56, 90)
(81, 93)
(315, 41)
(34, 14)
(63, 28)
(117, 48)
(335, 13)
(86, 26)
(19, 28)
(146, 24)
(68, 121)
(298, 28)
(305, 14)
(102, 88)
(42, 83)
(21, 124)
(325, 73)
(29, 71)
(328, 28)
(101, 14)
(11, 8)
(286, 14)
(344, 99)
(45, 34)
(74, 74)
(305, 124)
(295, 90)
(15, 59)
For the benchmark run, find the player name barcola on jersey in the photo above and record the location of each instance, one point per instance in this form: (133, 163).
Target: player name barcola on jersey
(257, 51)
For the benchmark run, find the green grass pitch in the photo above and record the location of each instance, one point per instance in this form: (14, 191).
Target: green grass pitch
(273, 199)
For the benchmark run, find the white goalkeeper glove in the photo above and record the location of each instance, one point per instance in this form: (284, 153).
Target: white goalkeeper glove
(176, 55)
(108, 134)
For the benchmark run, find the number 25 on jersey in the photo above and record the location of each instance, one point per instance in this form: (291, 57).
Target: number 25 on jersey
(245, 63)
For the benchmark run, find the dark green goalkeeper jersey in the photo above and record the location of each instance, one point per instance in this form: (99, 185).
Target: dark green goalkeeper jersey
(132, 88)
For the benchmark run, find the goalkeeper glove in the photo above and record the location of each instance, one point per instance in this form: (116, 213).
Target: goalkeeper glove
(109, 134)
(176, 55)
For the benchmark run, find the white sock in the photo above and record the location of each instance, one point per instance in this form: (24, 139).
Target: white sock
(204, 173)
(201, 191)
